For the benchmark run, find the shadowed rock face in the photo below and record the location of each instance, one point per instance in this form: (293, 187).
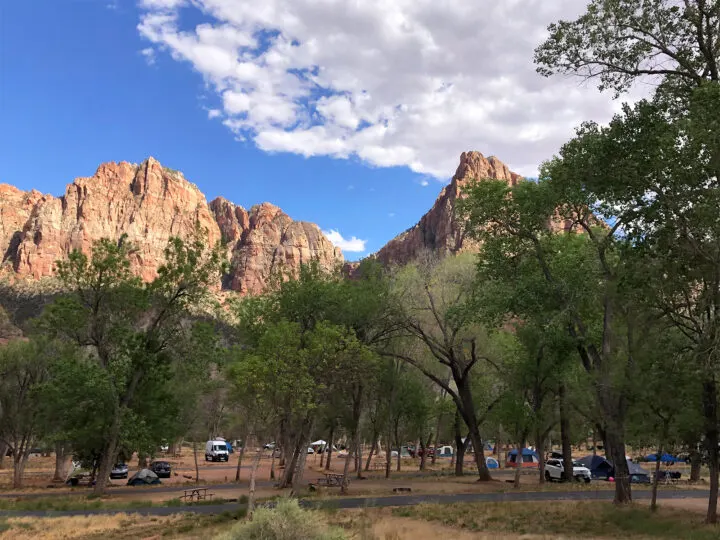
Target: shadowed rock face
(438, 230)
(150, 203)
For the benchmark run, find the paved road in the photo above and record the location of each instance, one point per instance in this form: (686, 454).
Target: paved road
(378, 502)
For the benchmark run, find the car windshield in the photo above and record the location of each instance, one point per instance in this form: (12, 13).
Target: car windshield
(161, 464)
(219, 447)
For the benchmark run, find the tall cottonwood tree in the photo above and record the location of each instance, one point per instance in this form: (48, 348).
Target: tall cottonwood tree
(129, 326)
(431, 297)
(616, 42)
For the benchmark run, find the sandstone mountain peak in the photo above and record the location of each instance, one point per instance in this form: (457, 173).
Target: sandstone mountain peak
(150, 203)
(438, 230)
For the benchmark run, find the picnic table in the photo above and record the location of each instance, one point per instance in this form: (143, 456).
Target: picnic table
(329, 480)
(197, 494)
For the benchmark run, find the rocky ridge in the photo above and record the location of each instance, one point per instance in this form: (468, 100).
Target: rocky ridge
(439, 230)
(150, 203)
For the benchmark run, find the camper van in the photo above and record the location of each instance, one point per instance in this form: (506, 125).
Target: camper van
(216, 451)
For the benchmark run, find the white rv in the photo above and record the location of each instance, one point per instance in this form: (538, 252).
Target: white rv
(216, 450)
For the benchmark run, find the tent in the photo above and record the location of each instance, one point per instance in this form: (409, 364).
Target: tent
(529, 458)
(638, 475)
(665, 458)
(492, 463)
(143, 476)
(600, 468)
(319, 442)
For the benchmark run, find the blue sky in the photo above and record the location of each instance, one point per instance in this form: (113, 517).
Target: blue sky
(88, 81)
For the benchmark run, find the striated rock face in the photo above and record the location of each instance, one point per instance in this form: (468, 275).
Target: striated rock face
(151, 203)
(265, 240)
(438, 230)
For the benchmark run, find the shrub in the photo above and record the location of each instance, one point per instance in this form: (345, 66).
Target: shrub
(287, 521)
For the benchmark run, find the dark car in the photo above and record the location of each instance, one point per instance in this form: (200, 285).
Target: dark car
(161, 468)
(119, 470)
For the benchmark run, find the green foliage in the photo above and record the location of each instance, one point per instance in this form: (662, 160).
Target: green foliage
(619, 41)
(287, 521)
(137, 336)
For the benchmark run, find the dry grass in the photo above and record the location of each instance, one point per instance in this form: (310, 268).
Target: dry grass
(565, 519)
(115, 527)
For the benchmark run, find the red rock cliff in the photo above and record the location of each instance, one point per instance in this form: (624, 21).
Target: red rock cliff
(438, 230)
(150, 203)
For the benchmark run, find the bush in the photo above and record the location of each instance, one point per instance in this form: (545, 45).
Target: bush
(287, 521)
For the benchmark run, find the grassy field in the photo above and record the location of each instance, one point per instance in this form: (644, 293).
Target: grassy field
(566, 519)
(116, 527)
(506, 521)
(95, 503)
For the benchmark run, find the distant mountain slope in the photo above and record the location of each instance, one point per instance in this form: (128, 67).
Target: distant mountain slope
(150, 203)
(438, 230)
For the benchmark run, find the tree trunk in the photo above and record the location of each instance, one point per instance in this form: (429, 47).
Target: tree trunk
(358, 452)
(615, 449)
(300, 469)
(107, 459)
(711, 440)
(3, 450)
(346, 469)
(459, 452)
(437, 431)
(197, 468)
(567, 472)
(62, 460)
(290, 466)
(399, 458)
(388, 456)
(518, 464)
(423, 450)
(330, 447)
(20, 458)
(695, 465)
(372, 451)
(540, 449)
(240, 458)
(253, 475)
(468, 414)
(653, 500)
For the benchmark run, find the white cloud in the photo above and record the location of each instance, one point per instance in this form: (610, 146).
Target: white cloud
(391, 214)
(214, 113)
(353, 244)
(404, 82)
(424, 183)
(149, 54)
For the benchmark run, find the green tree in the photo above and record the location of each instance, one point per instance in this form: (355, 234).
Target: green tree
(129, 326)
(616, 42)
(23, 369)
(441, 336)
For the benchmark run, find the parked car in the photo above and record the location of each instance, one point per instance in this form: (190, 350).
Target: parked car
(161, 468)
(430, 451)
(310, 450)
(119, 470)
(216, 451)
(269, 446)
(554, 471)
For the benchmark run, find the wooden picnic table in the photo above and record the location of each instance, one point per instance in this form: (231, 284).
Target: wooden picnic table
(197, 494)
(329, 480)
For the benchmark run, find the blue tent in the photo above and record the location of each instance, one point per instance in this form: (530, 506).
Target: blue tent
(492, 463)
(665, 458)
(525, 452)
(600, 468)
(530, 458)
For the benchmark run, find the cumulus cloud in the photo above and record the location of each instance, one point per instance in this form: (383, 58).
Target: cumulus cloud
(353, 244)
(394, 83)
